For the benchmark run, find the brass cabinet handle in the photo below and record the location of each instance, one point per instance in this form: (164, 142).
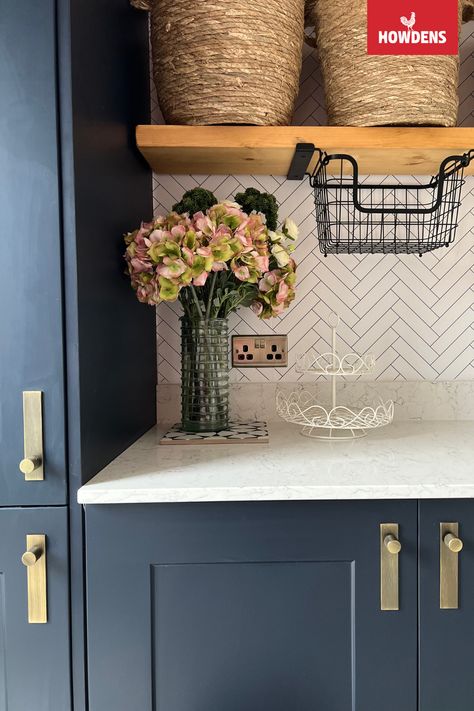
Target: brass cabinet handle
(449, 547)
(454, 544)
(34, 558)
(390, 547)
(29, 464)
(392, 544)
(32, 555)
(32, 463)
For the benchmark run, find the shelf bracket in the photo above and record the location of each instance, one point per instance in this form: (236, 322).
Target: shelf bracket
(300, 161)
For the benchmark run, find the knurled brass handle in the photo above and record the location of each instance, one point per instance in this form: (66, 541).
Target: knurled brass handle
(454, 544)
(32, 555)
(392, 544)
(29, 464)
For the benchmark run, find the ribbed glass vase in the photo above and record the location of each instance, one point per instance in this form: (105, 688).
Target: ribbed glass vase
(204, 374)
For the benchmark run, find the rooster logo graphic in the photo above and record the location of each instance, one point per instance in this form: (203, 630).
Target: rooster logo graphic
(409, 23)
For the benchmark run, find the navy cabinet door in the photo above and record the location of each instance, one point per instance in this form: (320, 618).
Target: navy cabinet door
(248, 606)
(34, 658)
(30, 261)
(446, 636)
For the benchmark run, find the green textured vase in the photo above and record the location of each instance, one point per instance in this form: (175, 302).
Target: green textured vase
(204, 374)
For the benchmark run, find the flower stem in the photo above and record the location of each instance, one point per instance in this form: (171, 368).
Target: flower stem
(196, 301)
(184, 304)
(211, 294)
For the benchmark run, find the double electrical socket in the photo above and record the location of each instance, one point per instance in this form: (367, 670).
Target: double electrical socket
(259, 351)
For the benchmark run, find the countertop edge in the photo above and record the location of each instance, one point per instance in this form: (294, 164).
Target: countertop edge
(88, 496)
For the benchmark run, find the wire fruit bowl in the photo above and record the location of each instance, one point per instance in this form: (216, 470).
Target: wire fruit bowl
(356, 217)
(302, 407)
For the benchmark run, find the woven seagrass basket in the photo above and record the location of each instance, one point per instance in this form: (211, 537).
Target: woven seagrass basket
(375, 90)
(221, 62)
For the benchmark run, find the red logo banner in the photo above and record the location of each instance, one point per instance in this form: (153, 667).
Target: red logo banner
(412, 27)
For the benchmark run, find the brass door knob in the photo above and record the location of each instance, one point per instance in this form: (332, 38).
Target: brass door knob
(454, 544)
(392, 544)
(29, 464)
(32, 555)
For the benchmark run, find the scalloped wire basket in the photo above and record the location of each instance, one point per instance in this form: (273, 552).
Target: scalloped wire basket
(339, 422)
(301, 407)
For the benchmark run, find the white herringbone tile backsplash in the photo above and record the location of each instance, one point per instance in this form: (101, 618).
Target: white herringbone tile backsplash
(416, 315)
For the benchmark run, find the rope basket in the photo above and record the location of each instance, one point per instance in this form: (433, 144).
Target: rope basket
(468, 10)
(216, 62)
(376, 90)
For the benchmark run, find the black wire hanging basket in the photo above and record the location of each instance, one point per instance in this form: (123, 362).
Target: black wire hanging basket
(355, 217)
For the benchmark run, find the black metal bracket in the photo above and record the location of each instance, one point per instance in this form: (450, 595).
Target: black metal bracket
(300, 161)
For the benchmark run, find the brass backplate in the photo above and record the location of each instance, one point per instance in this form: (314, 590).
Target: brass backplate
(36, 581)
(33, 431)
(389, 585)
(448, 569)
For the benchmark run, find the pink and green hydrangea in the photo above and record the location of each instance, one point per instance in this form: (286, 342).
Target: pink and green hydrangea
(213, 262)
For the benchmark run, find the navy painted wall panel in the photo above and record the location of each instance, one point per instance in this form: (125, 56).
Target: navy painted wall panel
(107, 191)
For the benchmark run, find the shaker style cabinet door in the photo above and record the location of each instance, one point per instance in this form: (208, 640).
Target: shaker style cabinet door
(31, 357)
(34, 653)
(446, 579)
(249, 606)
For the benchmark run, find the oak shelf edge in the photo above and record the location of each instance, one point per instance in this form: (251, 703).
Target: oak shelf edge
(268, 150)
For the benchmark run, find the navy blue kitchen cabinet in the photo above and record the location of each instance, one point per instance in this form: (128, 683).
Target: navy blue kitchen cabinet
(34, 658)
(249, 606)
(31, 333)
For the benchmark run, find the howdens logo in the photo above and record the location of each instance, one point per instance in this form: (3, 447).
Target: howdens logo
(412, 27)
(411, 36)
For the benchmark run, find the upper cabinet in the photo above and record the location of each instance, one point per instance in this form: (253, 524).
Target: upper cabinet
(31, 350)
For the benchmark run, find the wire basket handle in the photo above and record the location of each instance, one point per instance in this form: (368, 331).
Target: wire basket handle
(320, 162)
(452, 164)
(468, 156)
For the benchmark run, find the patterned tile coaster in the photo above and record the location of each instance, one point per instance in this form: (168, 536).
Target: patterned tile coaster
(237, 433)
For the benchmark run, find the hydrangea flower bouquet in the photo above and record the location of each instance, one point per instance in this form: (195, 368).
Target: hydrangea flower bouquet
(213, 263)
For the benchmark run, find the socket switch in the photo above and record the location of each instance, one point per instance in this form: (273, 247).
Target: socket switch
(260, 351)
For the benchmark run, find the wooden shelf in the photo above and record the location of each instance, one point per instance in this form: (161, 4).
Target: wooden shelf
(268, 150)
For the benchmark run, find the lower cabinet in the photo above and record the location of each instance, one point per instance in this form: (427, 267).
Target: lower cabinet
(249, 606)
(34, 630)
(278, 606)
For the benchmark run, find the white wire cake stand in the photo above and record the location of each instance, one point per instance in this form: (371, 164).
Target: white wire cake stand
(338, 422)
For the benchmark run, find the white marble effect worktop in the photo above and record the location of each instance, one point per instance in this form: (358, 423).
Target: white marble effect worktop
(403, 461)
